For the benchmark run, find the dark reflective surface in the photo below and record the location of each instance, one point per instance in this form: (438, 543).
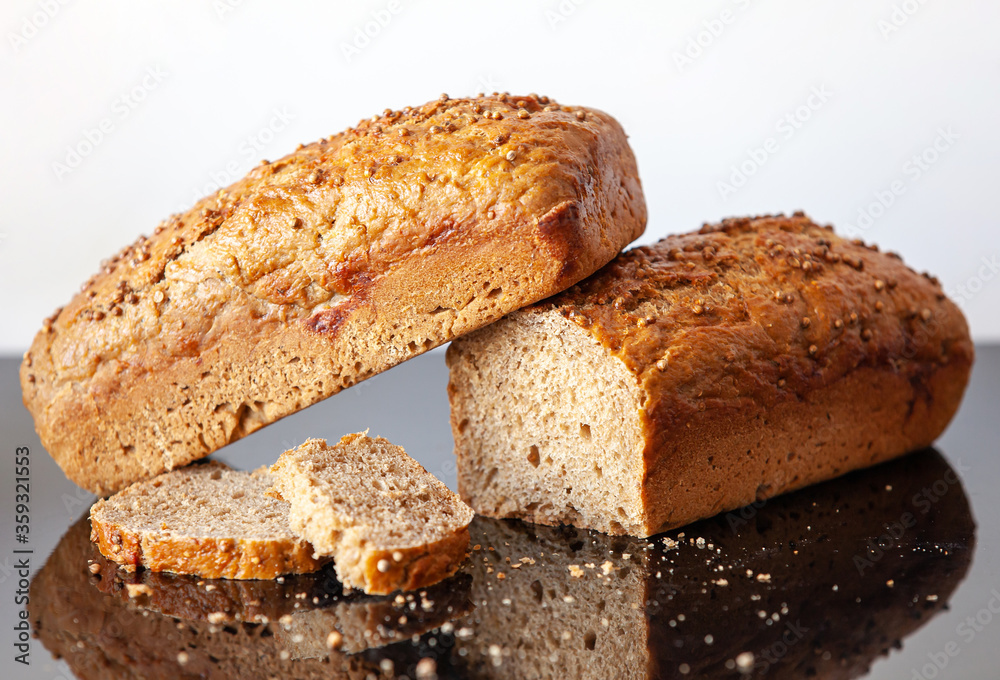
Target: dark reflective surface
(815, 584)
(822, 583)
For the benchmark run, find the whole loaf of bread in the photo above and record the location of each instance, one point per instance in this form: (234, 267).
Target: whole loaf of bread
(703, 373)
(321, 269)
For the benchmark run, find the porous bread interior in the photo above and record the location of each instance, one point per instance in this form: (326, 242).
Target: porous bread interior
(521, 440)
(201, 501)
(365, 492)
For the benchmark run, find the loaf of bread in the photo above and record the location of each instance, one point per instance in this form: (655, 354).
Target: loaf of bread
(205, 520)
(563, 602)
(703, 373)
(321, 269)
(387, 523)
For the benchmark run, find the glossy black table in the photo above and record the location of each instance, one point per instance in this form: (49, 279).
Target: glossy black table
(892, 572)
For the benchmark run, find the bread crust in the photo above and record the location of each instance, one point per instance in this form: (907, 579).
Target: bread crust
(770, 354)
(321, 269)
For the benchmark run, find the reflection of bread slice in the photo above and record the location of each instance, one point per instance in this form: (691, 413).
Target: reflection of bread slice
(202, 519)
(114, 636)
(364, 623)
(777, 588)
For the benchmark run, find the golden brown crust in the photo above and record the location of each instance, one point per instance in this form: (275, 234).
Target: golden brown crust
(205, 557)
(318, 270)
(417, 567)
(770, 354)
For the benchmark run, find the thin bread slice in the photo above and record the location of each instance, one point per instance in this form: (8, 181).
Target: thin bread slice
(204, 519)
(388, 523)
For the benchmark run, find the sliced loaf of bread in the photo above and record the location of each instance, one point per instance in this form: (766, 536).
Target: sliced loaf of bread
(203, 519)
(704, 373)
(388, 524)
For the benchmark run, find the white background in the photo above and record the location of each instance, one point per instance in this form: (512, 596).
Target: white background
(896, 77)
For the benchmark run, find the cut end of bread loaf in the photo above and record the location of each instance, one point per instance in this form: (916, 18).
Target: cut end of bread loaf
(547, 426)
(388, 524)
(205, 520)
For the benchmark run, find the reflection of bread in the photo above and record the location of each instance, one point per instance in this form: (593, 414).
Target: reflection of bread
(703, 373)
(206, 520)
(321, 269)
(368, 623)
(577, 607)
(387, 523)
(114, 636)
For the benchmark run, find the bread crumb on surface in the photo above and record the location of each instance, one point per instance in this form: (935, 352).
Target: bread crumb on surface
(138, 589)
(334, 639)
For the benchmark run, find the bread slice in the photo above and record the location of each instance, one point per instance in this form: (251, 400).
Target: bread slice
(388, 524)
(703, 373)
(206, 520)
(325, 267)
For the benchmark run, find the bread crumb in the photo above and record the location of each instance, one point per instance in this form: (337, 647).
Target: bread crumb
(501, 576)
(575, 571)
(426, 668)
(764, 578)
(334, 640)
(285, 655)
(138, 589)
(183, 658)
(722, 582)
(464, 633)
(890, 583)
(216, 617)
(286, 620)
(607, 567)
(744, 662)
